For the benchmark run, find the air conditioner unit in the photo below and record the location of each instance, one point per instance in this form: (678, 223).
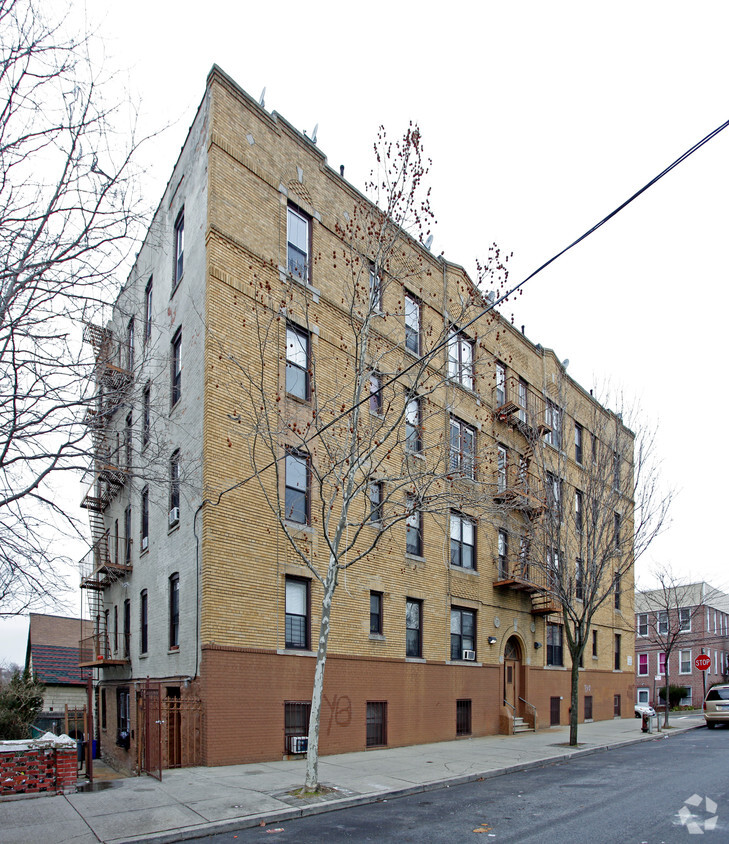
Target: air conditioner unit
(145, 543)
(469, 655)
(298, 744)
(174, 516)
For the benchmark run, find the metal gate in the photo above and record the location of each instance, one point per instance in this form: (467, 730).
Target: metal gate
(182, 732)
(151, 721)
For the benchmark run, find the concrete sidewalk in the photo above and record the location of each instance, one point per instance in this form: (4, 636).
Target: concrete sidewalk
(192, 802)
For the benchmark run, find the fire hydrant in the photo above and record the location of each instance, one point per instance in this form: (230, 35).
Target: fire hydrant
(646, 723)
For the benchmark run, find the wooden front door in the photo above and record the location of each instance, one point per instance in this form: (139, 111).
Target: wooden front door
(512, 673)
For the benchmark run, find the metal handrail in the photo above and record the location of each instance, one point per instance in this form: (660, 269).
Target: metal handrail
(534, 709)
(513, 717)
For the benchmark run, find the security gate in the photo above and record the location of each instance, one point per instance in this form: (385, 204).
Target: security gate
(151, 722)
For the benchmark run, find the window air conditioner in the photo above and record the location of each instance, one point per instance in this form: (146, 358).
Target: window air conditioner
(469, 655)
(298, 744)
(174, 516)
(145, 543)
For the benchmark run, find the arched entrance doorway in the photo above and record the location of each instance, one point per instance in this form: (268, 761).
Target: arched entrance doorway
(512, 672)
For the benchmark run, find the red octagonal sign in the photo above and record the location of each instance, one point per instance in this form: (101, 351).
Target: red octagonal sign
(703, 662)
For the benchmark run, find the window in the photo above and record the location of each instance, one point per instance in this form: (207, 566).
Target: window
(413, 628)
(103, 709)
(578, 443)
(588, 707)
(122, 710)
(376, 613)
(127, 626)
(616, 529)
(376, 393)
(145, 519)
(297, 613)
(179, 247)
(643, 695)
(130, 345)
(463, 633)
(501, 470)
(553, 567)
(594, 450)
(376, 723)
(463, 717)
(375, 291)
(616, 706)
(413, 439)
(463, 542)
(618, 639)
(143, 621)
(463, 448)
(579, 510)
(174, 514)
(684, 620)
(687, 700)
(297, 487)
(412, 324)
(594, 643)
(684, 662)
(579, 580)
(500, 384)
(297, 362)
(128, 443)
(148, 311)
(174, 589)
(663, 623)
(298, 244)
(661, 663)
(642, 624)
(642, 665)
(414, 528)
(554, 495)
(554, 644)
(616, 470)
(128, 535)
(176, 368)
(554, 423)
(146, 414)
(503, 549)
(617, 590)
(523, 393)
(460, 360)
(554, 711)
(296, 722)
(116, 629)
(375, 496)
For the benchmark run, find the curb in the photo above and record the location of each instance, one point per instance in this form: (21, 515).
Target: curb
(282, 815)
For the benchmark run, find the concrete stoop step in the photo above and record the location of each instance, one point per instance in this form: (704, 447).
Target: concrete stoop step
(521, 726)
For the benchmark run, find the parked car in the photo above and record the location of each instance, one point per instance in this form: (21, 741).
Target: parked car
(642, 709)
(716, 706)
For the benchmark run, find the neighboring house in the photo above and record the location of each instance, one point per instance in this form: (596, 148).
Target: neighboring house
(695, 617)
(448, 627)
(52, 655)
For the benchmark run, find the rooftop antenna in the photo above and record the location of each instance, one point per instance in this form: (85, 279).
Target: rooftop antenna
(262, 98)
(428, 241)
(313, 134)
(566, 363)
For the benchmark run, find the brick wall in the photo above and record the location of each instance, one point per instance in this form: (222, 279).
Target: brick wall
(38, 767)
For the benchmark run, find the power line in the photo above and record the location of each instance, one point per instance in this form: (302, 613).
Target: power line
(430, 354)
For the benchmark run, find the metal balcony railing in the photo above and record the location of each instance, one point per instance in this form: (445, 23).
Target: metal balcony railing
(519, 489)
(520, 406)
(104, 648)
(108, 559)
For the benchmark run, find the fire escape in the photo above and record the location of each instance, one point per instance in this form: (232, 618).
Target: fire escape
(519, 490)
(109, 558)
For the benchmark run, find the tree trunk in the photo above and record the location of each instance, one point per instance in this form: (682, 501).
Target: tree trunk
(668, 683)
(311, 782)
(574, 699)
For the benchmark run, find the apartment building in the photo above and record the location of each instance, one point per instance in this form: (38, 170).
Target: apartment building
(268, 352)
(685, 621)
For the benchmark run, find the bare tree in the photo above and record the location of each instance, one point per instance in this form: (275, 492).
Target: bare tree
(670, 609)
(366, 431)
(603, 506)
(68, 212)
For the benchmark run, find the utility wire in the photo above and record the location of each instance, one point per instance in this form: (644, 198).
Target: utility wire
(430, 354)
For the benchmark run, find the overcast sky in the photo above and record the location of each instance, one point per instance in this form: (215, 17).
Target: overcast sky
(540, 118)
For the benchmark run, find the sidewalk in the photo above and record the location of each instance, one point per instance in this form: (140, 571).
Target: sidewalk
(193, 802)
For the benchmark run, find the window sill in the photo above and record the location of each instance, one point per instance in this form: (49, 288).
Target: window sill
(555, 668)
(414, 558)
(295, 652)
(176, 284)
(144, 553)
(418, 454)
(469, 663)
(415, 659)
(172, 528)
(285, 275)
(298, 527)
(298, 400)
(463, 569)
(377, 637)
(143, 656)
(175, 649)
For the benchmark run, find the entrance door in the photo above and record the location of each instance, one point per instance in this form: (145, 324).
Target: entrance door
(512, 672)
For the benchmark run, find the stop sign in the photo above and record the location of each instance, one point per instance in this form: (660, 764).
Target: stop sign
(703, 662)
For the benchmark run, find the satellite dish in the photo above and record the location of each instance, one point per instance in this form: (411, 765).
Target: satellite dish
(313, 134)
(429, 241)
(262, 98)
(566, 363)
